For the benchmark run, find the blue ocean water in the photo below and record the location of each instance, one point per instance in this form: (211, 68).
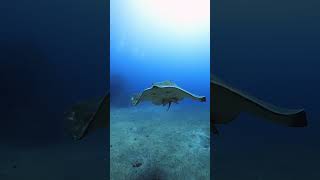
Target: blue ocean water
(52, 55)
(145, 49)
(142, 53)
(46, 60)
(268, 49)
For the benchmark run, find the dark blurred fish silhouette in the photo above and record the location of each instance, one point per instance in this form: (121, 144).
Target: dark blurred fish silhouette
(87, 117)
(226, 104)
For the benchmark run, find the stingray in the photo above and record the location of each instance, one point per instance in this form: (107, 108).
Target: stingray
(226, 104)
(163, 93)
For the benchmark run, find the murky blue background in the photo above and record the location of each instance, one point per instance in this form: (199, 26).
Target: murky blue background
(53, 54)
(269, 49)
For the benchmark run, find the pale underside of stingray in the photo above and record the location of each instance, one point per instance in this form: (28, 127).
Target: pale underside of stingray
(226, 104)
(163, 93)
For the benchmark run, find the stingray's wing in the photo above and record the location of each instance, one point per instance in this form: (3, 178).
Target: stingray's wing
(164, 83)
(100, 118)
(147, 95)
(87, 117)
(176, 91)
(227, 103)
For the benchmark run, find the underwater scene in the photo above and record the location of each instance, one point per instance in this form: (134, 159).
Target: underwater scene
(55, 91)
(159, 90)
(269, 50)
(52, 60)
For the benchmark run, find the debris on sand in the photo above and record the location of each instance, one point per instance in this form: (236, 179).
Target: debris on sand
(136, 164)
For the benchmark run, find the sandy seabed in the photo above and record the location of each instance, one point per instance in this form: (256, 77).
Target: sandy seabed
(152, 143)
(70, 161)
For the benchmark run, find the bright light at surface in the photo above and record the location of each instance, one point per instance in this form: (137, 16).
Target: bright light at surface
(162, 32)
(178, 17)
(154, 40)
